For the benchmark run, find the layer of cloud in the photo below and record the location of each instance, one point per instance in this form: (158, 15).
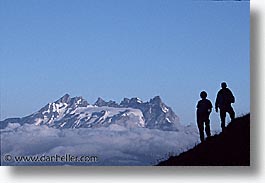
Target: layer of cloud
(113, 145)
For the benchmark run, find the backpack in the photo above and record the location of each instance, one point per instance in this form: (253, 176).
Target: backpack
(226, 97)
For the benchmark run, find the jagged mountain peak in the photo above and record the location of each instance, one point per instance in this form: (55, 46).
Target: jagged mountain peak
(136, 100)
(128, 102)
(64, 99)
(157, 114)
(125, 101)
(101, 102)
(72, 102)
(156, 99)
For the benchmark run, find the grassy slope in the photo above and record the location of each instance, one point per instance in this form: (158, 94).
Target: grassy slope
(231, 148)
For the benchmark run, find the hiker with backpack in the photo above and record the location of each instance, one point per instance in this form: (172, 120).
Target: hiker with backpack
(204, 109)
(223, 102)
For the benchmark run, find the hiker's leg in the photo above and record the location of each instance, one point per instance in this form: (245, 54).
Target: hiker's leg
(222, 116)
(207, 128)
(201, 129)
(231, 113)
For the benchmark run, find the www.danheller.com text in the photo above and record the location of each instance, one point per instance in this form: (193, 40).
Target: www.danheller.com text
(50, 158)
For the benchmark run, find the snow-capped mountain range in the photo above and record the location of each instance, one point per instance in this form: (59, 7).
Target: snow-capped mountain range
(76, 112)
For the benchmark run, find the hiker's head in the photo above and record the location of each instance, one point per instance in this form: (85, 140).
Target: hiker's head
(224, 85)
(203, 94)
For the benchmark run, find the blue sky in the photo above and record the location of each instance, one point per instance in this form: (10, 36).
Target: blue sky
(116, 49)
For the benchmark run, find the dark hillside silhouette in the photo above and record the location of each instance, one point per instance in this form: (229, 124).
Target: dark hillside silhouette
(231, 148)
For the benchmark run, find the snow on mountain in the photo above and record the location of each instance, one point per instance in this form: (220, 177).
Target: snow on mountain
(156, 113)
(76, 112)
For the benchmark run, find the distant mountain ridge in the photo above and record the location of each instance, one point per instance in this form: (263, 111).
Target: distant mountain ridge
(76, 112)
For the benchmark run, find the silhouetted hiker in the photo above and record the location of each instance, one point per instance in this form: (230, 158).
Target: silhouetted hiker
(204, 108)
(223, 101)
